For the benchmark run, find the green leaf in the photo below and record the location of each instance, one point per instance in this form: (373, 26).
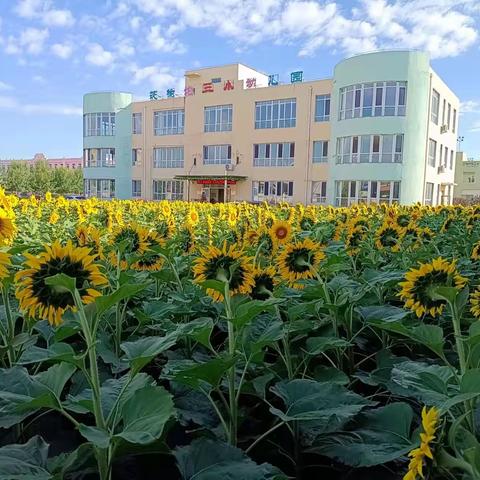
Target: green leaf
(318, 407)
(381, 436)
(210, 372)
(26, 461)
(145, 414)
(142, 351)
(382, 313)
(330, 374)
(127, 290)
(199, 329)
(247, 311)
(56, 352)
(95, 435)
(206, 459)
(317, 345)
(216, 285)
(470, 382)
(23, 394)
(62, 282)
(444, 293)
(261, 333)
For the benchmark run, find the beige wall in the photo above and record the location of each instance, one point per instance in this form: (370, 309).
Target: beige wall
(242, 137)
(467, 177)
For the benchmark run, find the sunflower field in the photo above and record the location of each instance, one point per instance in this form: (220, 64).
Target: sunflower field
(146, 340)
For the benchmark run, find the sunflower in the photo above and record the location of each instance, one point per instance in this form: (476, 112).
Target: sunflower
(388, 237)
(419, 282)
(228, 264)
(264, 282)
(475, 303)
(5, 263)
(133, 238)
(354, 238)
(299, 261)
(192, 218)
(7, 227)
(430, 420)
(50, 302)
(476, 252)
(280, 232)
(151, 260)
(89, 237)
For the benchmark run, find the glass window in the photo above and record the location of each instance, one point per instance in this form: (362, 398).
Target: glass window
(99, 124)
(319, 192)
(432, 152)
(137, 123)
(454, 121)
(435, 107)
(449, 114)
(373, 149)
(443, 111)
(451, 159)
(322, 108)
(168, 189)
(274, 154)
(366, 191)
(168, 157)
(100, 188)
(272, 191)
(99, 157)
(217, 154)
(136, 188)
(320, 151)
(168, 122)
(218, 118)
(276, 113)
(428, 193)
(136, 157)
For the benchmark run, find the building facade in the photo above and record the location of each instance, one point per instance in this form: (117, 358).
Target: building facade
(383, 129)
(64, 162)
(467, 178)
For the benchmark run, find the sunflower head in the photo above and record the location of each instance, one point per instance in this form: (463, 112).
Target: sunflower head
(476, 252)
(419, 283)
(5, 263)
(264, 283)
(150, 260)
(475, 303)
(280, 232)
(299, 261)
(7, 227)
(354, 239)
(227, 264)
(388, 237)
(50, 302)
(133, 240)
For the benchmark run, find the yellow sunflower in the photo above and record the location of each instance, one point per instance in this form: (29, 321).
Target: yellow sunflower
(133, 239)
(228, 264)
(264, 283)
(89, 237)
(416, 289)
(475, 303)
(7, 227)
(5, 263)
(50, 302)
(299, 261)
(388, 237)
(280, 232)
(193, 218)
(476, 252)
(355, 237)
(150, 260)
(417, 456)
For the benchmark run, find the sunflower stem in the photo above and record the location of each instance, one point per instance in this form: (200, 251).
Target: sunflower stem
(10, 328)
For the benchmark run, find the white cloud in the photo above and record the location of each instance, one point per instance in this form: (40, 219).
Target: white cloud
(470, 106)
(97, 55)
(475, 127)
(43, 11)
(158, 77)
(125, 48)
(11, 103)
(5, 86)
(135, 22)
(39, 79)
(163, 44)
(31, 40)
(62, 50)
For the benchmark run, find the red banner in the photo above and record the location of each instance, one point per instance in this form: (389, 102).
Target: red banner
(215, 181)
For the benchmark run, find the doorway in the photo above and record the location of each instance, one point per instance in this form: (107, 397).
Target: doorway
(214, 194)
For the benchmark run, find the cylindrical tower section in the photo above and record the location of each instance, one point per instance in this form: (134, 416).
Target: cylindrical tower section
(107, 145)
(379, 128)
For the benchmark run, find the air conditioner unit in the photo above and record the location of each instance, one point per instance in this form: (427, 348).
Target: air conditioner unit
(443, 129)
(441, 169)
(229, 167)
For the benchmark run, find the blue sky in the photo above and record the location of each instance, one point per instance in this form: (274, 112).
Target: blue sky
(53, 51)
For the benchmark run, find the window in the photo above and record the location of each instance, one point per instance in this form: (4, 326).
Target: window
(443, 111)
(167, 189)
(379, 99)
(168, 122)
(322, 108)
(449, 114)
(168, 157)
(272, 190)
(454, 122)
(217, 154)
(136, 188)
(276, 113)
(451, 159)
(370, 149)
(432, 152)
(320, 151)
(428, 193)
(274, 154)
(435, 107)
(348, 192)
(104, 188)
(218, 118)
(98, 157)
(468, 177)
(136, 123)
(99, 124)
(136, 157)
(319, 192)
(445, 161)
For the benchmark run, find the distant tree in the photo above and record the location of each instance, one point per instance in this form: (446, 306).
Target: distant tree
(41, 178)
(17, 177)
